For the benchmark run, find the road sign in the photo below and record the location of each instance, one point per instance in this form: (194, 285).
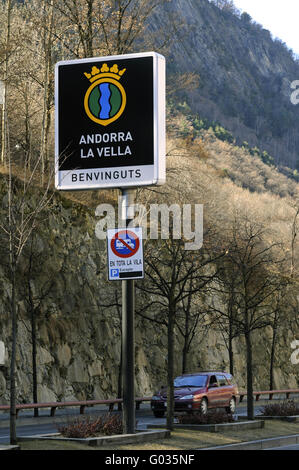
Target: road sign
(110, 122)
(125, 254)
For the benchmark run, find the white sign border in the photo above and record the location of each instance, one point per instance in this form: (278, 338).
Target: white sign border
(159, 165)
(110, 234)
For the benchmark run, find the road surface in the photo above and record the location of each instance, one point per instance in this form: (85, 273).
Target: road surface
(27, 425)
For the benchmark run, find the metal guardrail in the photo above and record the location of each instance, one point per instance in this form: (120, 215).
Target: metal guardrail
(270, 393)
(82, 404)
(118, 401)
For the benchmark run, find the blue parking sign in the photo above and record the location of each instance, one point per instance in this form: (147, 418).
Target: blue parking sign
(114, 272)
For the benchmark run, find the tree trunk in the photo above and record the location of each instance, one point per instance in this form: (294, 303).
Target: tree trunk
(34, 354)
(230, 330)
(250, 405)
(185, 348)
(170, 370)
(294, 235)
(89, 39)
(13, 413)
(119, 380)
(46, 119)
(231, 353)
(184, 358)
(5, 74)
(271, 379)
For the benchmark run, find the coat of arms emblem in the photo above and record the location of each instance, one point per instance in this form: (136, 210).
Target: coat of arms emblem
(105, 99)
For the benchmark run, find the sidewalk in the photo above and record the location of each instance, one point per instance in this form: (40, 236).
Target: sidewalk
(260, 444)
(8, 447)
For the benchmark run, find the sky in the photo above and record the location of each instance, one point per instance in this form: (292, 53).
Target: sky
(280, 17)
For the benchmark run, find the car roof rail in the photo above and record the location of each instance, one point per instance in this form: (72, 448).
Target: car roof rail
(205, 371)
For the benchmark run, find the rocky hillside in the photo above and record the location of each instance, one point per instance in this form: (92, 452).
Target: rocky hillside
(244, 76)
(78, 342)
(244, 84)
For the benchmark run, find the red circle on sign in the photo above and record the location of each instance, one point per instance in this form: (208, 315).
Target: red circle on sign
(132, 251)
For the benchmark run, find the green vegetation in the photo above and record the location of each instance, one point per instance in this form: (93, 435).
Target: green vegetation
(198, 123)
(246, 93)
(194, 125)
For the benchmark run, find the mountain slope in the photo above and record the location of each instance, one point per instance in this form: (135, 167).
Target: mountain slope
(244, 76)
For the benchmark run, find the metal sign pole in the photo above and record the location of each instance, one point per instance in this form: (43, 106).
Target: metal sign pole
(128, 331)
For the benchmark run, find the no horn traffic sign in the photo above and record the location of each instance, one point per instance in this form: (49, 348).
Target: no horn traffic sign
(125, 254)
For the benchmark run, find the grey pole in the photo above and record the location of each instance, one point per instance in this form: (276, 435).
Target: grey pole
(128, 330)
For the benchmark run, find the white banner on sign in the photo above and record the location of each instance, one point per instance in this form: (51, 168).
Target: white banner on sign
(106, 177)
(125, 253)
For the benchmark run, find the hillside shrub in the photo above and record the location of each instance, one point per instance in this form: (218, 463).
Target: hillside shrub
(286, 408)
(107, 425)
(212, 417)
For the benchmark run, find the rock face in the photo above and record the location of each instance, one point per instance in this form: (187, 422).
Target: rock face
(244, 75)
(78, 338)
(244, 80)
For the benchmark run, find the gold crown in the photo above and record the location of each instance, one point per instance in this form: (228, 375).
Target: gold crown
(105, 71)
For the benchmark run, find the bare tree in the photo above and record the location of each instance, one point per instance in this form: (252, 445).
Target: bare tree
(5, 80)
(293, 240)
(256, 261)
(282, 300)
(189, 318)
(226, 5)
(224, 313)
(48, 88)
(169, 267)
(103, 27)
(20, 217)
(34, 267)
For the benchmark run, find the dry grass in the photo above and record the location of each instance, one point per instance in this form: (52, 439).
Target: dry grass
(185, 439)
(90, 198)
(180, 439)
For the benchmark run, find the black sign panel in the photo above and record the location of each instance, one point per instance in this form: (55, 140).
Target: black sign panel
(106, 112)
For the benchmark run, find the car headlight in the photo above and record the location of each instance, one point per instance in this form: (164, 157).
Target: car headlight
(187, 397)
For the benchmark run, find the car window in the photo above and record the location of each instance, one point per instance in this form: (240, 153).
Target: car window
(191, 381)
(222, 380)
(213, 380)
(230, 378)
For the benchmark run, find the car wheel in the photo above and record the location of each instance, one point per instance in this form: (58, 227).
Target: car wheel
(203, 406)
(232, 406)
(159, 414)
